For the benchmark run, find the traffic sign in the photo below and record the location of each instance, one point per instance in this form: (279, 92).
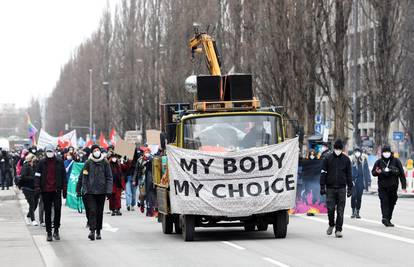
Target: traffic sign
(318, 128)
(318, 119)
(398, 136)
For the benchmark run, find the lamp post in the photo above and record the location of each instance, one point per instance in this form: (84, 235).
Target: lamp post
(108, 100)
(90, 103)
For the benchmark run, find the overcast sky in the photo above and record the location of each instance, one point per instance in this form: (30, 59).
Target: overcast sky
(37, 38)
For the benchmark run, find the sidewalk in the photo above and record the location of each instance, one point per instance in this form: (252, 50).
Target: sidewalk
(17, 247)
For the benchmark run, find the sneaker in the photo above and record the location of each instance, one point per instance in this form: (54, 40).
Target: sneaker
(34, 223)
(390, 224)
(49, 237)
(118, 213)
(353, 214)
(128, 208)
(357, 215)
(330, 230)
(91, 235)
(132, 209)
(56, 235)
(113, 213)
(338, 234)
(28, 221)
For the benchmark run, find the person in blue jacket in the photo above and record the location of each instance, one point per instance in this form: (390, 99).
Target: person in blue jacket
(361, 178)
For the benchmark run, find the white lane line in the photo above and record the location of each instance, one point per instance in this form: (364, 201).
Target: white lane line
(275, 262)
(109, 228)
(364, 230)
(380, 223)
(233, 245)
(47, 252)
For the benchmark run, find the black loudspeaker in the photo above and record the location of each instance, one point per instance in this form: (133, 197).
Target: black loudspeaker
(238, 87)
(208, 88)
(169, 118)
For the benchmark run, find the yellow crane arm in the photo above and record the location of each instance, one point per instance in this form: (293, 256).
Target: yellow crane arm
(210, 51)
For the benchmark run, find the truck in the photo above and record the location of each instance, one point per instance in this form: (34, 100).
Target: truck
(225, 119)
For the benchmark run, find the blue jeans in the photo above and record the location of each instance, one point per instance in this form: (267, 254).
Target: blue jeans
(130, 193)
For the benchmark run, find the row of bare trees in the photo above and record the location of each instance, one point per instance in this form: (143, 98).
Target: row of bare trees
(139, 57)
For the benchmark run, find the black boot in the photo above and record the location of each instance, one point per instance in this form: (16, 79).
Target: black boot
(49, 237)
(353, 214)
(56, 235)
(357, 214)
(118, 213)
(91, 235)
(98, 235)
(113, 213)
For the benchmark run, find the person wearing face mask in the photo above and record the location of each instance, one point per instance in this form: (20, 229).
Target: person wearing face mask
(117, 187)
(51, 183)
(143, 177)
(336, 183)
(95, 184)
(26, 183)
(361, 178)
(324, 151)
(389, 170)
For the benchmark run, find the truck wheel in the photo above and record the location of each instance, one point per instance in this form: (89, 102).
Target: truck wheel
(249, 227)
(262, 226)
(167, 223)
(280, 224)
(177, 226)
(188, 227)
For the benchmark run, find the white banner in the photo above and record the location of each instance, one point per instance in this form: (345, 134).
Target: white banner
(241, 183)
(66, 140)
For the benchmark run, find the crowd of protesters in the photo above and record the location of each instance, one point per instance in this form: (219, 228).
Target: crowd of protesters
(43, 174)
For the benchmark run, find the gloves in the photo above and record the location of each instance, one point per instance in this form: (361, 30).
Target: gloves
(323, 190)
(108, 196)
(349, 192)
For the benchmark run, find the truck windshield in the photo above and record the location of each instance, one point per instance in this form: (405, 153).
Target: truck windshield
(231, 132)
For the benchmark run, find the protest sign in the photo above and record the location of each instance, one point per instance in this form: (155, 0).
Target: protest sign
(124, 148)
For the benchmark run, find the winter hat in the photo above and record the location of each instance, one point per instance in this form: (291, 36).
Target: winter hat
(338, 144)
(357, 149)
(95, 146)
(386, 148)
(49, 148)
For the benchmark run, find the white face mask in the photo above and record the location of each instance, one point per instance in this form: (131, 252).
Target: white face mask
(50, 154)
(386, 155)
(337, 152)
(97, 154)
(114, 159)
(324, 148)
(69, 157)
(312, 157)
(357, 154)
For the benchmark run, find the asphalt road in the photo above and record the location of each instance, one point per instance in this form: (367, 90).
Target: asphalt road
(135, 240)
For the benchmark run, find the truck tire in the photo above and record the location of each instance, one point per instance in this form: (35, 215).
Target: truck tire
(262, 226)
(280, 224)
(177, 226)
(167, 223)
(188, 227)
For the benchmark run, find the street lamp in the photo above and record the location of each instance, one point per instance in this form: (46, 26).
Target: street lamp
(108, 99)
(90, 103)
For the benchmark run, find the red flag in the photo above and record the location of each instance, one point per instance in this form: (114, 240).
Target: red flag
(102, 141)
(112, 137)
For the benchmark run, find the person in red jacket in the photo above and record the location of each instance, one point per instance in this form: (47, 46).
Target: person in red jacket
(117, 186)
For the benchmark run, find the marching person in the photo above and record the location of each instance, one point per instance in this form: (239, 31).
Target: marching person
(118, 185)
(388, 169)
(325, 151)
(27, 184)
(50, 182)
(96, 184)
(6, 169)
(336, 183)
(143, 177)
(361, 178)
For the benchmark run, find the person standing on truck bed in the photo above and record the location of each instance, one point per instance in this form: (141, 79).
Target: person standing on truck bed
(336, 176)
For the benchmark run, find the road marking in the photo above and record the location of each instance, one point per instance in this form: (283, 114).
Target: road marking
(233, 245)
(275, 262)
(364, 230)
(380, 223)
(47, 252)
(109, 228)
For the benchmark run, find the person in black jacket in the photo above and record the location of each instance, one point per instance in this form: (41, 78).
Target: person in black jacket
(50, 182)
(336, 177)
(96, 183)
(26, 183)
(6, 169)
(388, 169)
